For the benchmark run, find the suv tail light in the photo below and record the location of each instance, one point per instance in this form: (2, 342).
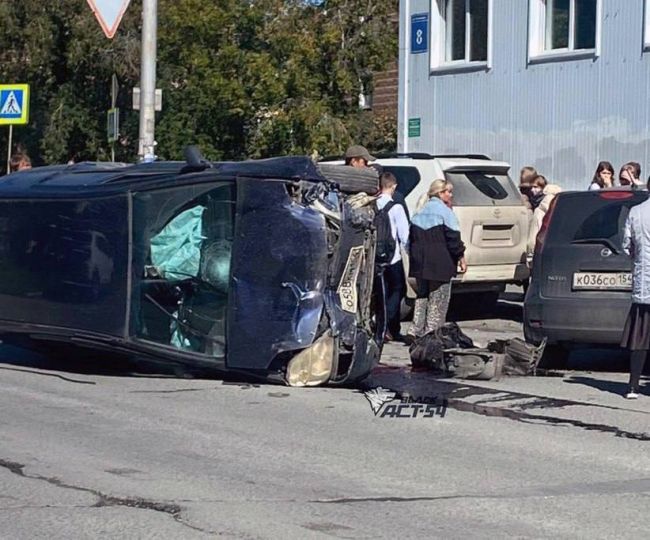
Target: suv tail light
(543, 230)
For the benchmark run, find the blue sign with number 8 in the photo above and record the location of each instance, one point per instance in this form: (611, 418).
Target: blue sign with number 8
(419, 33)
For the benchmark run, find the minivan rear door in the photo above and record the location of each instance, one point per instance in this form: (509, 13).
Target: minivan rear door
(582, 254)
(494, 221)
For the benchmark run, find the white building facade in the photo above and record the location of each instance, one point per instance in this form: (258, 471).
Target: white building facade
(556, 84)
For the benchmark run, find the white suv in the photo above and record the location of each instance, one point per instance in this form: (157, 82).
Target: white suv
(493, 220)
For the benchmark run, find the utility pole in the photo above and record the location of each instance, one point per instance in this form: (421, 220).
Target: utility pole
(146, 147)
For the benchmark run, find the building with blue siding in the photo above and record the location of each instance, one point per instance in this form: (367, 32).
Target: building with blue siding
(556, 84)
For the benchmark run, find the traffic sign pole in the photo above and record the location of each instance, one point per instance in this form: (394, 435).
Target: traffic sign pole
(114, 91)
(109, 13)
(11, 135)
(146, 150)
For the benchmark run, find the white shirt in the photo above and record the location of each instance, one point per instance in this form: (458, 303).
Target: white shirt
(399, 225)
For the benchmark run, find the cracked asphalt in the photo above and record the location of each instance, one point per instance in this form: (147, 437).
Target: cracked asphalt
(100, 452)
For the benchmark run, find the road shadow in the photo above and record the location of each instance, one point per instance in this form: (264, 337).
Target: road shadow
(599, 359)
(464, 307)
(89, 362)
(611, 387)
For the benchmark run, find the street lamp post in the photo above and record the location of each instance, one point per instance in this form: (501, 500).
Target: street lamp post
(146, 147)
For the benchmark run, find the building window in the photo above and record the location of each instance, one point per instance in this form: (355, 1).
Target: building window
(563, 26)
(466, 23)
(460, 33)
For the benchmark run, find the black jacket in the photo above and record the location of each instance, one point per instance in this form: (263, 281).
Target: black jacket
(434, 253)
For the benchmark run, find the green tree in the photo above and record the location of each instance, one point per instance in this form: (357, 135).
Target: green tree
(59, 49)
(240, 78)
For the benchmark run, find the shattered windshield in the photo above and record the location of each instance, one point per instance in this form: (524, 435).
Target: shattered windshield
(182, 250)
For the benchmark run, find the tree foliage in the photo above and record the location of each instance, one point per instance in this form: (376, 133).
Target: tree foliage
(240, 78)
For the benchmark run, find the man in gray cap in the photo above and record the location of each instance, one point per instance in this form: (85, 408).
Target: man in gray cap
(358, 156)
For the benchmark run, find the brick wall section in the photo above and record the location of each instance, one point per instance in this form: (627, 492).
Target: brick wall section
(384, 96)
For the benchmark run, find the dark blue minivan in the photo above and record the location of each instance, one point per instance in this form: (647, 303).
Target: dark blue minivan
(259, 267)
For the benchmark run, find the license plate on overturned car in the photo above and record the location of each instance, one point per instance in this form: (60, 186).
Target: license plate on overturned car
(615, 281)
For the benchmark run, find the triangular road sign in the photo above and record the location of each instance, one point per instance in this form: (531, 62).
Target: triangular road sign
(109, 14)
(11, 107)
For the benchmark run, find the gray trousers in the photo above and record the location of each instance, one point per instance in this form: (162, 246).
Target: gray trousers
(431, 311)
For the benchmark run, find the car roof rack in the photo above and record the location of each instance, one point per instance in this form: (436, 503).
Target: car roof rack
(415, 155)
(424, 155)
(467, 156)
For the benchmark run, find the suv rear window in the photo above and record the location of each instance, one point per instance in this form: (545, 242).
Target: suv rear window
(483, 188)
(604, 224)
(407, 177)
(589, 219)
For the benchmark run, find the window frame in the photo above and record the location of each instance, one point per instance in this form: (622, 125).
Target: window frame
(439, 40)
(646, 25)
(538, 11)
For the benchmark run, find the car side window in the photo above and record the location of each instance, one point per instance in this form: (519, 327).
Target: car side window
(407, 177)
(183, 243)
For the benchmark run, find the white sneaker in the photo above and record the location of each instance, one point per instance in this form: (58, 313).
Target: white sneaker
(631, 395)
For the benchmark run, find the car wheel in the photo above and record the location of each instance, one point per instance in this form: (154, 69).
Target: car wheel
(554, 357)
(351, 180)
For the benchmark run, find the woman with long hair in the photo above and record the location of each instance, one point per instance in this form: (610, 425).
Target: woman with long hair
(630, 174)
(603, 177)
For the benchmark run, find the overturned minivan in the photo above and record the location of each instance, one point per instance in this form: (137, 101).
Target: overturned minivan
(263, 268)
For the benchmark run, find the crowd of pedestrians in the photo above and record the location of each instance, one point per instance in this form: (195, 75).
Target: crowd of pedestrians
(604, 177)
(537, 194)
(436, 251)
(431, 237)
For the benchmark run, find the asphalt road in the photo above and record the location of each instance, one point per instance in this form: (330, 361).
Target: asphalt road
(95, 452)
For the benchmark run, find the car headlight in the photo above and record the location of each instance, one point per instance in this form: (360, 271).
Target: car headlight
(312, 366)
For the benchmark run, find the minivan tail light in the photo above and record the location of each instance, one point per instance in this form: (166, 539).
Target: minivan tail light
(543, 230)
(615, 195)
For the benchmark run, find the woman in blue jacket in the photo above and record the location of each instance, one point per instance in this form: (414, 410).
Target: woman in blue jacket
(436, 251)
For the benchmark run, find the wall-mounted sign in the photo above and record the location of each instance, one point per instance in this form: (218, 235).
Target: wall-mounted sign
(419, 33)
(414, 127)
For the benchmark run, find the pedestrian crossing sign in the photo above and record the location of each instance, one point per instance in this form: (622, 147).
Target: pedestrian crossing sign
(14, 104)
